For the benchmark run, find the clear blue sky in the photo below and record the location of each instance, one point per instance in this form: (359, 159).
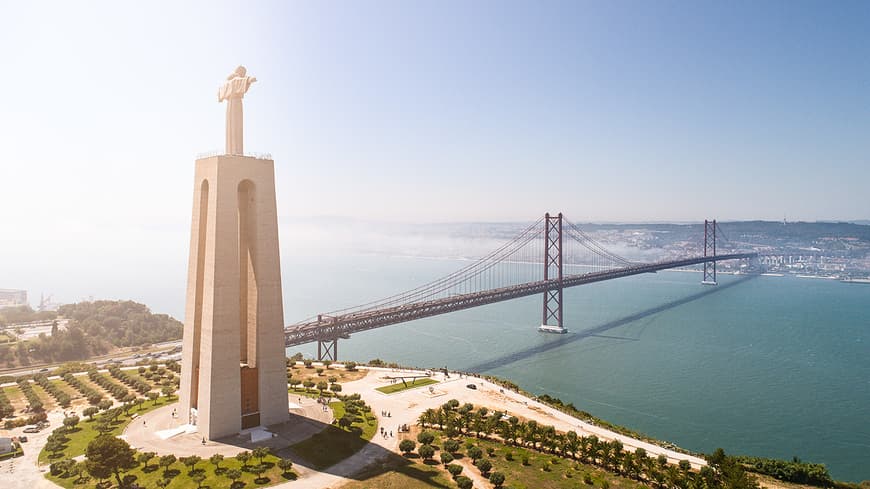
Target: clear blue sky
(432, 111)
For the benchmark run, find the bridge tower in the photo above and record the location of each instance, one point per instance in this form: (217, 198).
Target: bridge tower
(709, 250)
(233, 373)
(552, 311)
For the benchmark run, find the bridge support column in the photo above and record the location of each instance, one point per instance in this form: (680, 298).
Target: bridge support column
(709, 250)
(552, 312)
(327, 349)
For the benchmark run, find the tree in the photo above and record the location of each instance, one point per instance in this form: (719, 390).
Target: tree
(107, 453)
(321, 386)
(258, 469)
(143, 458)
(216, 460)
(464, 482)
(407, 446)
(103, 426)
(165, 461)
(260, 453)
(451, 446)
(90, 412)
(233, 475)
(54, 446)
(70, 423)
(484, 466)
(308, 363)
(426, 451)
(153, 396)
(105, 405)
(350, 366)
(191, 461)
(293, 381)
(454, 470)
(346, 421)
(244, 458)
(475, 453)
(497, 479)
(319, 371)
(446, 458)
(426, 437)
(336, 388)
(198, 477)
(308, 384)
(167, 392)
(285, 464)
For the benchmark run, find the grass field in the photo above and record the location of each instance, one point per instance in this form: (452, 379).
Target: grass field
(86, 431)
(335, 444)
(64, 387)
(179, 475)
(399, 473)
(399, 386)
(544, 471)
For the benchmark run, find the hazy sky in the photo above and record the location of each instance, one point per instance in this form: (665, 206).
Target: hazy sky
(432, 111)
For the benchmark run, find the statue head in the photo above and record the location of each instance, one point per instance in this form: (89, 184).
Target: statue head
(240, 72)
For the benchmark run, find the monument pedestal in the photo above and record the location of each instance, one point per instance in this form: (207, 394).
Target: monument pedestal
(233, 362)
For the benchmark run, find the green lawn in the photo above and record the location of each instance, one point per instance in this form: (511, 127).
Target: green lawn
(398, 387)
(335, 444)
(560, 473)
(177, 472)
(180, 477)
(13, 393)
(399, 473)
(85, 432)
(64, 387)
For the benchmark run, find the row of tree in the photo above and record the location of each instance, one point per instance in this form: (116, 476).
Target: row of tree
(455, 420)
(134, 382)
(794, 470)
(118, 391)
(6, 408)
(449, 452)
(62, 398)
(34, 403)
(91, 394)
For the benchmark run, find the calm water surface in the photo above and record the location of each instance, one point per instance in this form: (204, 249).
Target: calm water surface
(769, 366)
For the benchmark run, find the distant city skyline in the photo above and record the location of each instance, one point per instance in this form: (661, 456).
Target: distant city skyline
(425, 112)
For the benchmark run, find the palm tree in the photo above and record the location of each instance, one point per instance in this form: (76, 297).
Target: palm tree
(571, 443)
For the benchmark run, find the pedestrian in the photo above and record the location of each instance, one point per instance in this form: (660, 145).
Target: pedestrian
(391, 434)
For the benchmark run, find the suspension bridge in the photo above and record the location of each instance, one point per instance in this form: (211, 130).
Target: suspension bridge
(545, 258)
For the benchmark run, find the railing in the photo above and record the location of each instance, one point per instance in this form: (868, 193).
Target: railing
(211, 154)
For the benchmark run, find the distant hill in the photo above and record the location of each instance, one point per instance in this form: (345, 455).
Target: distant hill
(94, 328)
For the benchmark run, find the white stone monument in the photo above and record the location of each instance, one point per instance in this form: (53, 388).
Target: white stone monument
(233, 364)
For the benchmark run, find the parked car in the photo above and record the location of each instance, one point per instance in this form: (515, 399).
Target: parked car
(22, 439)
(472, 387)
(32, 429)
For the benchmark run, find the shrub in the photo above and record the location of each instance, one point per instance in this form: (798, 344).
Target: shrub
(407, 446)
(497, 479)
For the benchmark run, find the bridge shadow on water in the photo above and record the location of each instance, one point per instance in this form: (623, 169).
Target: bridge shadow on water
(597, 331)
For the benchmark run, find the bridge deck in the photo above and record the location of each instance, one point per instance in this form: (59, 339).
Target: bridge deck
(334, 327)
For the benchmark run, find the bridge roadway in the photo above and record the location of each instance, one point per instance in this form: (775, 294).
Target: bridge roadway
(335, 327)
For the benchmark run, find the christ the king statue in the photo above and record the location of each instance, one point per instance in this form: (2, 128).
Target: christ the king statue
(232, 91)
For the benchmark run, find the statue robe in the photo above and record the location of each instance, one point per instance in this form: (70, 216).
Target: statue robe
(232, 91)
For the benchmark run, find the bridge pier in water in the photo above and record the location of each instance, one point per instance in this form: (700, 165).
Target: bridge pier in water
(552, 311)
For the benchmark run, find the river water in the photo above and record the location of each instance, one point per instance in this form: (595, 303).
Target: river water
(767, 366)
